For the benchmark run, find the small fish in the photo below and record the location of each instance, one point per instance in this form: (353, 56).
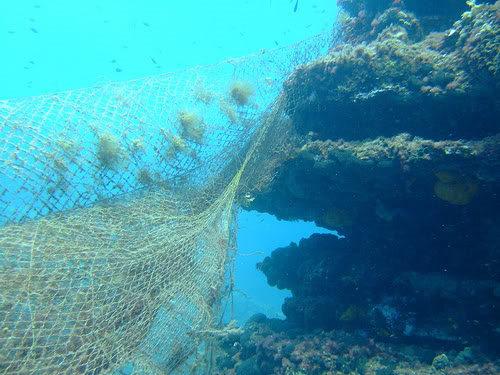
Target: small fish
(11, 32)
(146, 24)
(34, 30)
(154, 61)
(32, 62)
(113, 61)
(296, 5)
(118, 70)
(276, 42)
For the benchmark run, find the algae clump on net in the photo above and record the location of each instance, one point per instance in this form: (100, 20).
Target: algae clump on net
(241, 92)
(109, 152)
(192, 126)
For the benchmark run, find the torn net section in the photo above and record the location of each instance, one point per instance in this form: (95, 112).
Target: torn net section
(117, 213)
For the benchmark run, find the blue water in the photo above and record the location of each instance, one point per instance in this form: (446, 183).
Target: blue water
(55, 45)
(52, 46)
(260, 234)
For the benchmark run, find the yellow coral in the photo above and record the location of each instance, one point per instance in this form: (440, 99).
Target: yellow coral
(455, 188)
(241, 92)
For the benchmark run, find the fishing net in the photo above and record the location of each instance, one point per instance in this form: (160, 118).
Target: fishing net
(117, 214)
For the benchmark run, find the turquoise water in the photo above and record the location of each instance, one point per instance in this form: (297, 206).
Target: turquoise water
(50, 46)
(259, 234)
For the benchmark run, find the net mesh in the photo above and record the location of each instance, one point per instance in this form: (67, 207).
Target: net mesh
(117, 213)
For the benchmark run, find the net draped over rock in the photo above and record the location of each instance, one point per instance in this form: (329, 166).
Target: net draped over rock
(117, 213)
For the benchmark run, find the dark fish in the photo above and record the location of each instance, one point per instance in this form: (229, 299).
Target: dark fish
(296, 5)
(118, 70)
(154, 61)
(276, 42)
(34, 30)
(146, 24)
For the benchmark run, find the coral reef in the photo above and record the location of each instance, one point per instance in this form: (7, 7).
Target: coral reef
(363, 19)
(267, 346)
(384, 182)
(396, 145)
(405, 297)
(443, 86)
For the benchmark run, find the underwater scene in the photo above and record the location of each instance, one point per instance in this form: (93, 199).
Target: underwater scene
(238, 187)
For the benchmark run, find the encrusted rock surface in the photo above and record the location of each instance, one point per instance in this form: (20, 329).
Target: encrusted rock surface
(269, 347)
(402, 297)
(442, 87)
(397, 147)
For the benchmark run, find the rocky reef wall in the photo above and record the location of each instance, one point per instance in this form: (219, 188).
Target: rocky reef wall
(397, 147)
(439, 86)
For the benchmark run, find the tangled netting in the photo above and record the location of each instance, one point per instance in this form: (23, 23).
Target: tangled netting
(117, 214)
